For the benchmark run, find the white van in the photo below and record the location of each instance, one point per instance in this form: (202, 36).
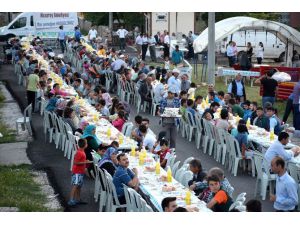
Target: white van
(274, 48)
(42, 24)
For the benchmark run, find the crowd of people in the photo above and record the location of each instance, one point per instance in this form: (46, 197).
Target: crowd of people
(212, 187)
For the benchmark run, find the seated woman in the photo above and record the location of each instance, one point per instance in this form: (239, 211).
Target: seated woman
(109, 161)
(93, 143)
(119, 122)
(221, 201)
(69, 117)
(222, 123)
(242, 138)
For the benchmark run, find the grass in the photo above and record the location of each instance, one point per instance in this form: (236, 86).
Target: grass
(18, 189)
(9, 135)
(252, 92)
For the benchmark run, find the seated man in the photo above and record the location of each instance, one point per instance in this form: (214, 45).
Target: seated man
(212, 109)
(149, 139)
(247, 110)
(277, 149)
(169, 204)
(198, 175)
(261, 120)
(190, 104)
(124, 175)
(236, 109)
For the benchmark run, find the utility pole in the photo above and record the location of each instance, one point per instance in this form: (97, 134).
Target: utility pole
(211, 49)
(110, 20)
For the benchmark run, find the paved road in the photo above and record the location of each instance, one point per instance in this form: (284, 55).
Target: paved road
(44, 156)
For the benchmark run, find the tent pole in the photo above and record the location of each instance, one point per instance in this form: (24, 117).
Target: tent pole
(211, 48)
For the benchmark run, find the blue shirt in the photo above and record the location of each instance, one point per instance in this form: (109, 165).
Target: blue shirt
(164, 104)
(175, 83)
(192, 111)
(247, 114)
(77, 35)
(177, 56)
(122, 176)
(242, 138)
(286, 193)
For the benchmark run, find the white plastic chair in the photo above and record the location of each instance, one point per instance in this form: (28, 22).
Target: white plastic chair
(48, 129)
(186, 177)
(198, 135)
(221, 146)
(127, 128)
(174, 168)
(208, 140)
(25, 120)
(234, 205)
(171, 161)
(263, 178)
(154, 103)
(67, 131)
(179, 174)
(191, 125)
(187, 161)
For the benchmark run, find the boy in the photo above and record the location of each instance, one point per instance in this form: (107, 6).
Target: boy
(164, 152)
(261, 120)
(198, 101)
(221, 201)
(102, 108)
(247, 110)
(189, 108)
(253, 107)
(274, 121)
(183, 95)
(212, 97)
(191, 91)
(221, 98)
(78, 172)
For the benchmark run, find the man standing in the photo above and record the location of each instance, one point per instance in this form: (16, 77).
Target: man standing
(152, 43)
(237, 88)
(174, 82)
(124, 175)
(144, 46)
(177, 56)
(139, 43)
(62, 38)
(277, 149)
(296, 109)
(286, 198)
(122, 34)
(77, 34)
(166, 44)
(269, 87)
(92, 34)
(32, 88)
(145, 91)
(230, 54)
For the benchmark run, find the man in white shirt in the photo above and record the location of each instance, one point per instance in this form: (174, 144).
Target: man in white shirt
(230, 53)
(166, 44)
(139, 43)
(116, 65)
(277, 149)
(159, 91)
(149, 139)
(122, 35)
(144, 46)
(92, 34)
(62, 38)
(174, 82)
(152, 43)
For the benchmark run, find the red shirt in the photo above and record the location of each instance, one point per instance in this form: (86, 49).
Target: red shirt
(79, 157)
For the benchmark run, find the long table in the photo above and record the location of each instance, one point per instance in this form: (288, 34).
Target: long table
(151, 185)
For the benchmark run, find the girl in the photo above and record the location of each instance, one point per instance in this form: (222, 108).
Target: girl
(119, 122)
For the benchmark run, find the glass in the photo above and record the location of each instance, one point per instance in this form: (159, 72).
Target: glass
(21, 22)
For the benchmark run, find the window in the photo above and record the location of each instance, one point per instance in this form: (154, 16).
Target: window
(21, 22)
(161, 16)
(31, 21)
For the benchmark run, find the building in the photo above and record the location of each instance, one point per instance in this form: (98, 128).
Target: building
(174, 22)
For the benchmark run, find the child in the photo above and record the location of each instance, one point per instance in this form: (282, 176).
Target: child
(100, 152)
(247, 110)
(221, 98)
(242, 138)
(103, 108)
(198, 101)
(221, 201)
(212, 97)
(78, 171)
(182, 108)
(191, 91)
(167, 63)
(164, 152)
(119, 122)
(190, 104)
(183, 95)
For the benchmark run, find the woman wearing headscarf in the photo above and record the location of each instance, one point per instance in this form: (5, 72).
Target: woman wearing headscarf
(109, 161)
(93, 142)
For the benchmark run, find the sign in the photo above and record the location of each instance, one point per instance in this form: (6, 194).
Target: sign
(44, 20)
(231, 72)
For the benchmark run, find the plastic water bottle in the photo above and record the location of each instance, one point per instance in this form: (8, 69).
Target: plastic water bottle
(169, 175)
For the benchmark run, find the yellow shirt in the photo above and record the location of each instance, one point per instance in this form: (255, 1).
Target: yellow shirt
(33, 81)
(101, 51)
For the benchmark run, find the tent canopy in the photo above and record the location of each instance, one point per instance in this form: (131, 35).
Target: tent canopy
(228, 26)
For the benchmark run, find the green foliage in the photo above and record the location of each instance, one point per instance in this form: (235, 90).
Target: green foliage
(18, 189)
(130, 19)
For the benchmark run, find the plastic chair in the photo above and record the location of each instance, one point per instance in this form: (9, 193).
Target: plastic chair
(127, 128)
(186, 177)
(25, 120)
(241, 208)
(171, 161)
(191, 125)
(241, 197)
(198, 135)
(263, 178)
(187, 161)
(66, 143)
(174, 168)
(43, 104)
(48, 129)
(221, 145)
(294, 170)
(154, 103)
(179, 174)
(112, 202)
(234, 205)
(208, 142)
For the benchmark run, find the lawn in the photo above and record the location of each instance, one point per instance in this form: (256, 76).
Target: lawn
(8, 134)
(18, 189)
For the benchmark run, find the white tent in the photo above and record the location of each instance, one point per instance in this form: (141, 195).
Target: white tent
(228, 26)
